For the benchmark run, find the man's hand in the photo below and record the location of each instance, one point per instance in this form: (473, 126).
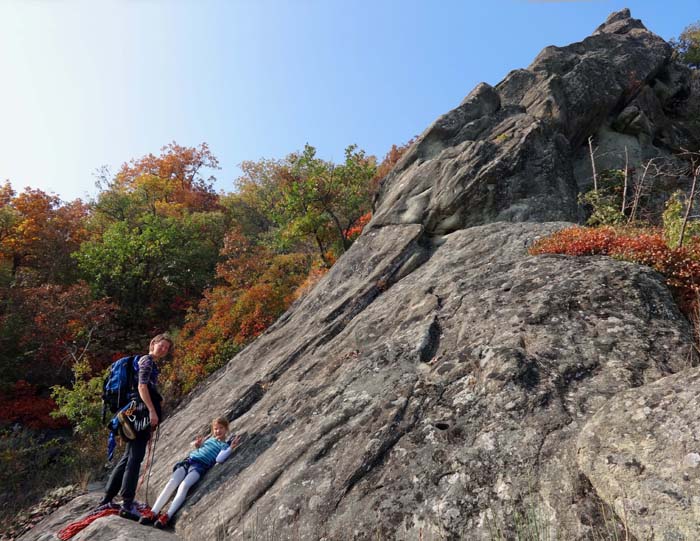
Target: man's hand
(154, 418)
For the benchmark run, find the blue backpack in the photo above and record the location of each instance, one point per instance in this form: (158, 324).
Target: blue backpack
(120, 384)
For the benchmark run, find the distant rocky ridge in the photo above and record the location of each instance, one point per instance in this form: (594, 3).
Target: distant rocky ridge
(439, 382)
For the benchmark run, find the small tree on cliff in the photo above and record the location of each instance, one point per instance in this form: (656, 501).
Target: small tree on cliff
(687, 46)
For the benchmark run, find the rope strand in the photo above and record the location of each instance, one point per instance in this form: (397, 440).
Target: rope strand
(150, 452)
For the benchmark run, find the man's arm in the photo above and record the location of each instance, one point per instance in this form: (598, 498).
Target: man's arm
(145, 395)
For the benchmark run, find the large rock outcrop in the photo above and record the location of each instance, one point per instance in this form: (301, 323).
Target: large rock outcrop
(514, 151)
(439, 382)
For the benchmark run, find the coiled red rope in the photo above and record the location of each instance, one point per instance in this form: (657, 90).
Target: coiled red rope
(79, 525)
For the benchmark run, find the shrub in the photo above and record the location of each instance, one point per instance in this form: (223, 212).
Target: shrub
(81, 404)
(605, 202)
(680, 265)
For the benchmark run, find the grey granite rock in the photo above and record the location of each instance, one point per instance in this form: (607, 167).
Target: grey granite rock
(641, 452)
(110, 528)
(443, 401)
(514, 152)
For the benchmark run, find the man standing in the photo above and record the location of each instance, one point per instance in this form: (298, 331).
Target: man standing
(125, 476)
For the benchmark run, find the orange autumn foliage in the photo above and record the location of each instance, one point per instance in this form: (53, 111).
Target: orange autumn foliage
(255, 288)
(38, 231)
(353, 232)
(172, 180)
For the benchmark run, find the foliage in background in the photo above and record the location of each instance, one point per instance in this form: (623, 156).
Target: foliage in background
(605, 203)
(81, 403)
(38, 232)
(304, 203)
(158, 249)
(24, 404)
(687, 46)
(673, 221)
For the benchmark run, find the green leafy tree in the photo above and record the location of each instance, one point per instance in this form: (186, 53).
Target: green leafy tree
(304, 201)
(605, 203)
(673, 218)
(155, 269)
(157, 229)
(687, 46)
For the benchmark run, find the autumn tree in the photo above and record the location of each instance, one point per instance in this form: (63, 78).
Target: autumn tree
(255, 286)
(44, 312)
(38, 232)
(170, 182)
(157, 229)
(304, 199)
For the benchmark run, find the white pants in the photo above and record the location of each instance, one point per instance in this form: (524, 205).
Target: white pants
(185, 481)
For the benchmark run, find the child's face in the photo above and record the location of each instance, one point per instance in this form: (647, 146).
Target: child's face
(219, 431)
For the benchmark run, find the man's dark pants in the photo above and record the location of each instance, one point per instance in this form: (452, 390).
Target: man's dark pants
(125, 475)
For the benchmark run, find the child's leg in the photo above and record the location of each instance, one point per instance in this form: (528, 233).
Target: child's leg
(177, 477)
(191, 479)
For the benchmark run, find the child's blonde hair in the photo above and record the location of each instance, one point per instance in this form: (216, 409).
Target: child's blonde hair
(223, 421)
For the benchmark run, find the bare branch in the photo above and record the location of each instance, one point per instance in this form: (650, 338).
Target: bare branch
(624, 189)
(592, 154)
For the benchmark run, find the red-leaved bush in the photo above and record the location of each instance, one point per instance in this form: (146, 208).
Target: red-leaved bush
(25, 405)
(680, 266)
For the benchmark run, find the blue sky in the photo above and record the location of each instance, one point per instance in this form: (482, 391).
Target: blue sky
(87, 83)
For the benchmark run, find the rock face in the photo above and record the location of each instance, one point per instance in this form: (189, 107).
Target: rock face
(515, 152)
(641, 453)
(439, 382)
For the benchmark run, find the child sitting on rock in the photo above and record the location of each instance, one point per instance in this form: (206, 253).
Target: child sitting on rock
(187, 472)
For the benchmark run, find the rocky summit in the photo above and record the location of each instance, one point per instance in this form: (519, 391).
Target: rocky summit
(441, 383)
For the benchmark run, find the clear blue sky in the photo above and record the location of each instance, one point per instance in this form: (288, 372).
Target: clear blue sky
(87, 83)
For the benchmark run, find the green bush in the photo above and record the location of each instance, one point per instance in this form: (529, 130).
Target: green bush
(81, 404)
(673, 216)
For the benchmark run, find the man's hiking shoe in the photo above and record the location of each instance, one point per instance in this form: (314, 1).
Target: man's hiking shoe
(148, 517)
(162, 521)
(129, 512)
(104, 503)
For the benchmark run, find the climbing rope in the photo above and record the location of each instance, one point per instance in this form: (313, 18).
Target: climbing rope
(79, 525)
(150, 453)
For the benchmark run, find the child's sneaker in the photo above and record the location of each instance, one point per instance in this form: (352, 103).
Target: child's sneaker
(162, 521)
(148, 517)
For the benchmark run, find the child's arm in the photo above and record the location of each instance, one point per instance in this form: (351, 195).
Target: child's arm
(225, 453)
